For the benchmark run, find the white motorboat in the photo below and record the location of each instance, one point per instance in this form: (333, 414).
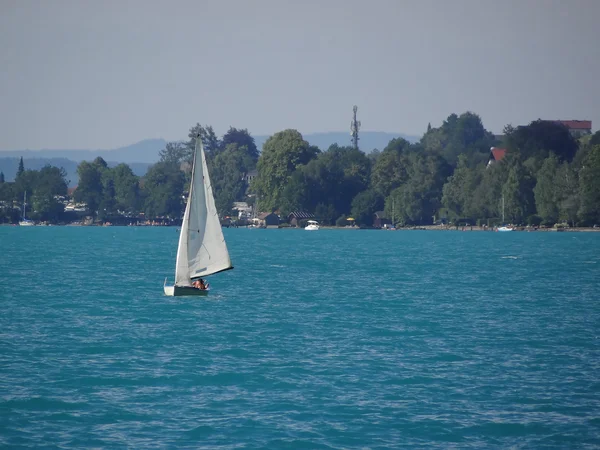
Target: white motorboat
(313, 225)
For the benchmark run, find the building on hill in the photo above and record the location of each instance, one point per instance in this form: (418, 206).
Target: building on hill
(577, 128)
(496, 154)
(251, 175)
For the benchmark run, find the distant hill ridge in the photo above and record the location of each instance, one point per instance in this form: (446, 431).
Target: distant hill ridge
(145, 151)
(142, 154)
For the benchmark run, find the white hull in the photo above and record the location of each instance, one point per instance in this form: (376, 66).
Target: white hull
(311, 227)
(505, 229)
(26, 223)
(184, 291)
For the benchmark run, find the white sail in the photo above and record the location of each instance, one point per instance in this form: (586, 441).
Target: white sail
(202, 250)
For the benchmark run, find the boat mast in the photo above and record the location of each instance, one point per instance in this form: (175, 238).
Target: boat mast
(502, 209)
(24, 203)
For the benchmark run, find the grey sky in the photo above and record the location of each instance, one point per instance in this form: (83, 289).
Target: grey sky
(103, 74)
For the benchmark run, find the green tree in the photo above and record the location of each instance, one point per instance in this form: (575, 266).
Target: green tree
(100, 163)
(52, 180)
(545, 191)
(326, 214)
(589, 188)
(296, 192)
(518, 194)
(44, 189)
(8, 214)
(89, 189)
(51, 185)
(539, 139)
(333, 178)
(464, 134)
(176, 153)
(21, 168)
(567, 188)
(586, 143)
(26, 182)
(1, 177)
(46, 207)
(418, 200)
(127, 189)
(390, 171)
(373, 156)
(458, 191)
(485, 203)
(108, 203)
(364, 206)
(243, 140)
(163, 185)
(227, 176)
(282, 154)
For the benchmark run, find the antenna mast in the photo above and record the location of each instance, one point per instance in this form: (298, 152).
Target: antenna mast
(354, 127)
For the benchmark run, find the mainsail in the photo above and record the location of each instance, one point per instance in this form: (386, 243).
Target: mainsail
(202, 250)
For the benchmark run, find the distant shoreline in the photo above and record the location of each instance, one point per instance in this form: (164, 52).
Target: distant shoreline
(415, 228)
(475, 228)
(461, 229)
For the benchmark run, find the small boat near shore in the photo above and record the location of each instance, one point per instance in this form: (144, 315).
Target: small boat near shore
(25, 222)
(505, 228)
(313, 225)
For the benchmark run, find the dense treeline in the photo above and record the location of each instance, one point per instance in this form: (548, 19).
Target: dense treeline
(118, 192)
(44, 189)
(546, 177)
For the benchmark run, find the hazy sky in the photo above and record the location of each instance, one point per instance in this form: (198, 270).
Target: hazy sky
(104, 73)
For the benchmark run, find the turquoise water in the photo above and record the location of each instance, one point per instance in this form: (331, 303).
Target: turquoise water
(331, 339)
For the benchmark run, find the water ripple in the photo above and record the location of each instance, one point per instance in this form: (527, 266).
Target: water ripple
(336, 339)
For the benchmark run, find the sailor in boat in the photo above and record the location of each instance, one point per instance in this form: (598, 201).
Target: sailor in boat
(200, 284)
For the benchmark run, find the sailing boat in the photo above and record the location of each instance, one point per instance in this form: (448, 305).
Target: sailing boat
(202, 250)
(504, 227)
(25, 222)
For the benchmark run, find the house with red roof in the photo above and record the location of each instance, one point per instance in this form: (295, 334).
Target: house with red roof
(577, 128)
(496, 154)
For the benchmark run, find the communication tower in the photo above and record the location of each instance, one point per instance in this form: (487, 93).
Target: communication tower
(354, 127)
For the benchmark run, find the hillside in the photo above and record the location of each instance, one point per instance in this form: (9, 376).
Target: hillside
(9, 167)
(142, 154)
(145, 151)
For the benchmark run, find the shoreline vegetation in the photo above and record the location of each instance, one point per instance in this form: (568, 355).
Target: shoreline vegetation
(544, 174)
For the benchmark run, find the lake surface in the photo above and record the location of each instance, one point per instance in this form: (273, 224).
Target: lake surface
(330, 339)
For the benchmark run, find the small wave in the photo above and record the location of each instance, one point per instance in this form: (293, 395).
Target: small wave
(509, 257)
(200, 431)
